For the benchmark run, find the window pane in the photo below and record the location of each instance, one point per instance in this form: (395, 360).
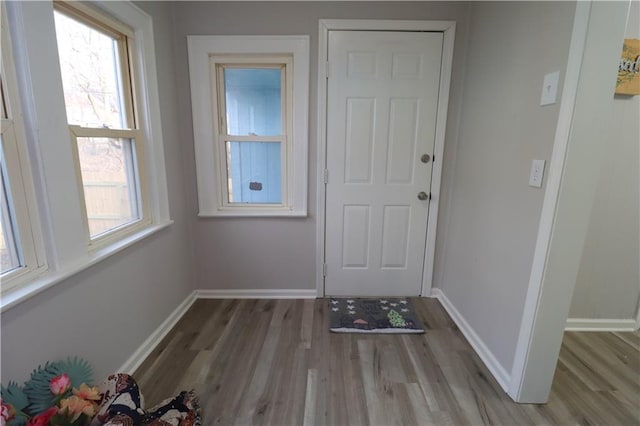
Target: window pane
(9, 250)
(89, 62)
(254, 101)
(109, 181)
(254, 172)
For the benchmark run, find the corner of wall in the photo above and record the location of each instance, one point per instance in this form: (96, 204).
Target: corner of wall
(490, 361)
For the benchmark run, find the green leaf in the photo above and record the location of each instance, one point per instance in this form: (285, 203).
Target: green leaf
(18, 421)
(37, 388)
(82, 420)
(36, 395)
(61, 419)
(14, 395)
(78, 370)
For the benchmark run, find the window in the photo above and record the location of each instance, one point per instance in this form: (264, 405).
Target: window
(95, 64)
(86, 76)
(21, 250)
(251, 125)
(253, 111)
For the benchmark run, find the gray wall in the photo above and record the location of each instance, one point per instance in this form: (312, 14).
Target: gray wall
(489, 241)
(550, 302)
(608, 283)
(105, 312)
(488, 217)
(279, 253)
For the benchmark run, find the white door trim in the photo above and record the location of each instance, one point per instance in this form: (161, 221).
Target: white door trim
(448, 29)
(543, 322)
(550, 201)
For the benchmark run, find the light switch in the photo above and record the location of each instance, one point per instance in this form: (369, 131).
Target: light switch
(537, 172)
(550, 88)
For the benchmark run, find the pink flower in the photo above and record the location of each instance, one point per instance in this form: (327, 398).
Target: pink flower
(60, 384)
(43, 419)
(74, 407)
(88, 393)
(7, 412)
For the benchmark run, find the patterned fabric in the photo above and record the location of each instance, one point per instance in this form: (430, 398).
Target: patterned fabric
(384, 315)
(122, 405)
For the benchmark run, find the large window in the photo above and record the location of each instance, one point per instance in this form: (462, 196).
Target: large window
(21, 250)
(90, 126)
(96, 64)
(251, 125)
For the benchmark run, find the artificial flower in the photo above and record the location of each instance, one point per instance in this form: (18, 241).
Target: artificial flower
(43, 419)
(87, 392)
(76, 406)
(60, 384)
(7, 412)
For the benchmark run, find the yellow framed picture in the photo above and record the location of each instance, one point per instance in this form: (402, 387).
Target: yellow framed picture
(628, 82)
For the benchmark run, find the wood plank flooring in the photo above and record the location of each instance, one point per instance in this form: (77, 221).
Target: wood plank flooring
(274, 362)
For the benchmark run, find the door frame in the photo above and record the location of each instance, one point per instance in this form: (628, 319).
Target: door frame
(448, 29)
(570, 191)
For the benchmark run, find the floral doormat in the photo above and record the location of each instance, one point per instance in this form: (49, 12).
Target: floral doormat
(384, 315)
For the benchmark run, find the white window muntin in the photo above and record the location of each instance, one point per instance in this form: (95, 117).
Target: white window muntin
(137, 180)
(127, 69)
(218, 64)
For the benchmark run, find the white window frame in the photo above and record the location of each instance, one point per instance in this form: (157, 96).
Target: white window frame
(205, 53)
(218, 65)
(128, 69)
(58, 194)
(18, 170)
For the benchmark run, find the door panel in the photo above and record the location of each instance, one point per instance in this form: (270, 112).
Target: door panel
(403, 123)
(381, 112)
(395, 236)
(359, 140)
(355, 238)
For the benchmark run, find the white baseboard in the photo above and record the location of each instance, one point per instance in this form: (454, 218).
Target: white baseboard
(496, 369)
(433, 294)
(590, 324)
(257, 294)
(135, 360)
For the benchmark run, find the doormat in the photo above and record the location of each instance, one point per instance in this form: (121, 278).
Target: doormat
(384, 315)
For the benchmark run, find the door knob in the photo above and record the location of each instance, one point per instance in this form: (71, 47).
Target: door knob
(422, 195)
(425, 158)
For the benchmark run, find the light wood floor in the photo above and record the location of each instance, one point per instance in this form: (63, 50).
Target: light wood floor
(275, 362)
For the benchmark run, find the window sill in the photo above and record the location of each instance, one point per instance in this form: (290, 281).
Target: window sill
(252, 213)
(49, 279)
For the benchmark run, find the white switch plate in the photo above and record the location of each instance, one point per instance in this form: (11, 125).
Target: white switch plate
(550, 88)
(537, 172)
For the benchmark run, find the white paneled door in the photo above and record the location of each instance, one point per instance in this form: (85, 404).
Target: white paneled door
(381, 116)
